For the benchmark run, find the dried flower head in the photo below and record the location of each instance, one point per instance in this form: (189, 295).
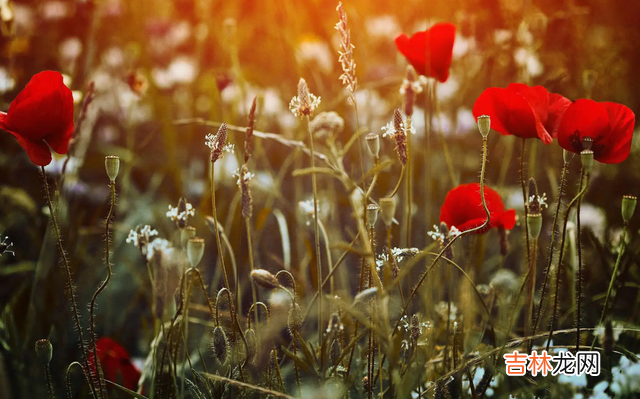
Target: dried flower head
(326, 124)
(244, 177)
(248, 137)
(4, 247)
(536, 202)
(181, 213)
(304, 103)
(218, 143)
(141, 237)
(396, 130)
(411, 86)
(348, 76)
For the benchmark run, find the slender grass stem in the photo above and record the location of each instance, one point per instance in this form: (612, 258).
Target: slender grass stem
(316, 232)
(254, 295)
(92, 326)
(47, 373)
(583, 189)
(525, 201)
(408, 188)
(392, 262)
(547, 269)
(397, 187)
(579, 277)
(532, 285)
(605, 308)
(70, 288)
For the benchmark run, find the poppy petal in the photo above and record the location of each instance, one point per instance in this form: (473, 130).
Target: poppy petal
(617, 144)
(536, 96)
(413, 50)
(429, 51)
(557, 106)
(37, 150)
(508, 219)
(583, 118)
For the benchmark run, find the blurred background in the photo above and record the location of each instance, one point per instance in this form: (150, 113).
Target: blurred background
(157, 64)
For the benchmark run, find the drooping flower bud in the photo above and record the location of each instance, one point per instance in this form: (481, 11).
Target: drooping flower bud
(44, 351)
(265, 279)
(586, 157)
(195, 250)
(373, 144)
(112, 165)
(219, 345)
(628, 207)
(252, 344)
(372, 215)
(387, 210)
(484, 125)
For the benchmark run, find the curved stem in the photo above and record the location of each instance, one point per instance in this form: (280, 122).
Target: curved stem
(397, 187)
(621, 250)
(583, 189)
(70, 287)
(547, 269)
(112, 186)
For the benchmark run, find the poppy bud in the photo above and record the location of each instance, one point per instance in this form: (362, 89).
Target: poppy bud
(373, 143)
(366, 295)
(252, 344)
(294, 319)
(112, 164)
(387, 210)
(484, 125)
(265, 279)
(195, 250)
(44, 351)
(628, 207)
(219, 345)
(372, 214)
(586, 157)
(534, 224)
(185, 234)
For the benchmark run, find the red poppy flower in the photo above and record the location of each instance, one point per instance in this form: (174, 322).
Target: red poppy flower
(523, 111)
(116, 363)
(463, 209)
(41, 114)
(608, 125)
(430, 51)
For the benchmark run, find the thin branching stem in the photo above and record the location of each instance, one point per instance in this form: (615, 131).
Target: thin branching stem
(70, 287)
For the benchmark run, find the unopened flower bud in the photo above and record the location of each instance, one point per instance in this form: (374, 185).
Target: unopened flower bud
(112, 165)
(628, 207)
(586, 157)
(372, 214)
(44, 351)
(219, 345)
(195, 250)
(484, 125)
(373, 143)
(534, 224)
(265, 279)
(387, 210)
(252, 344)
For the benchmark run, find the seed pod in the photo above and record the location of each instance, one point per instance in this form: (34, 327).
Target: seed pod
(220, 345)
(534, 224)
(265, 279)
(586, 156)
(629, 203)
(185, 234)
(195, 250)
(44, 351)
(373, 144)
(387, 210)
(484, 125)
(112, 165)
(372, 214)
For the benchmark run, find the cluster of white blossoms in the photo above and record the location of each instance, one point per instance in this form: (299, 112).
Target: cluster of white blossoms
(176, 215)
(540, 199)
(141, 235)
(399, 254)
(212, 141)
(436, 235)
(390, 130)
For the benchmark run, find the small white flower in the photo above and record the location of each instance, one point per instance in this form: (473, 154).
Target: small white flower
(176, 216)
(246, 177)
(211, 141)
(298, 109)
(132, 238)
(415, 86)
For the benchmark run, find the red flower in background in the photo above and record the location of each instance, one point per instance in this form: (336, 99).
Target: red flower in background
(116, 363)
(430, 51)
(608, 125)
(523, 111)
(41, 114)
(463, 209)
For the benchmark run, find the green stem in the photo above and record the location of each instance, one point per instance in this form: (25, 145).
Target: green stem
(316, 233)
(254, 294)
(547, 269)
(525, 200)
(408, 188)
(70, 287)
